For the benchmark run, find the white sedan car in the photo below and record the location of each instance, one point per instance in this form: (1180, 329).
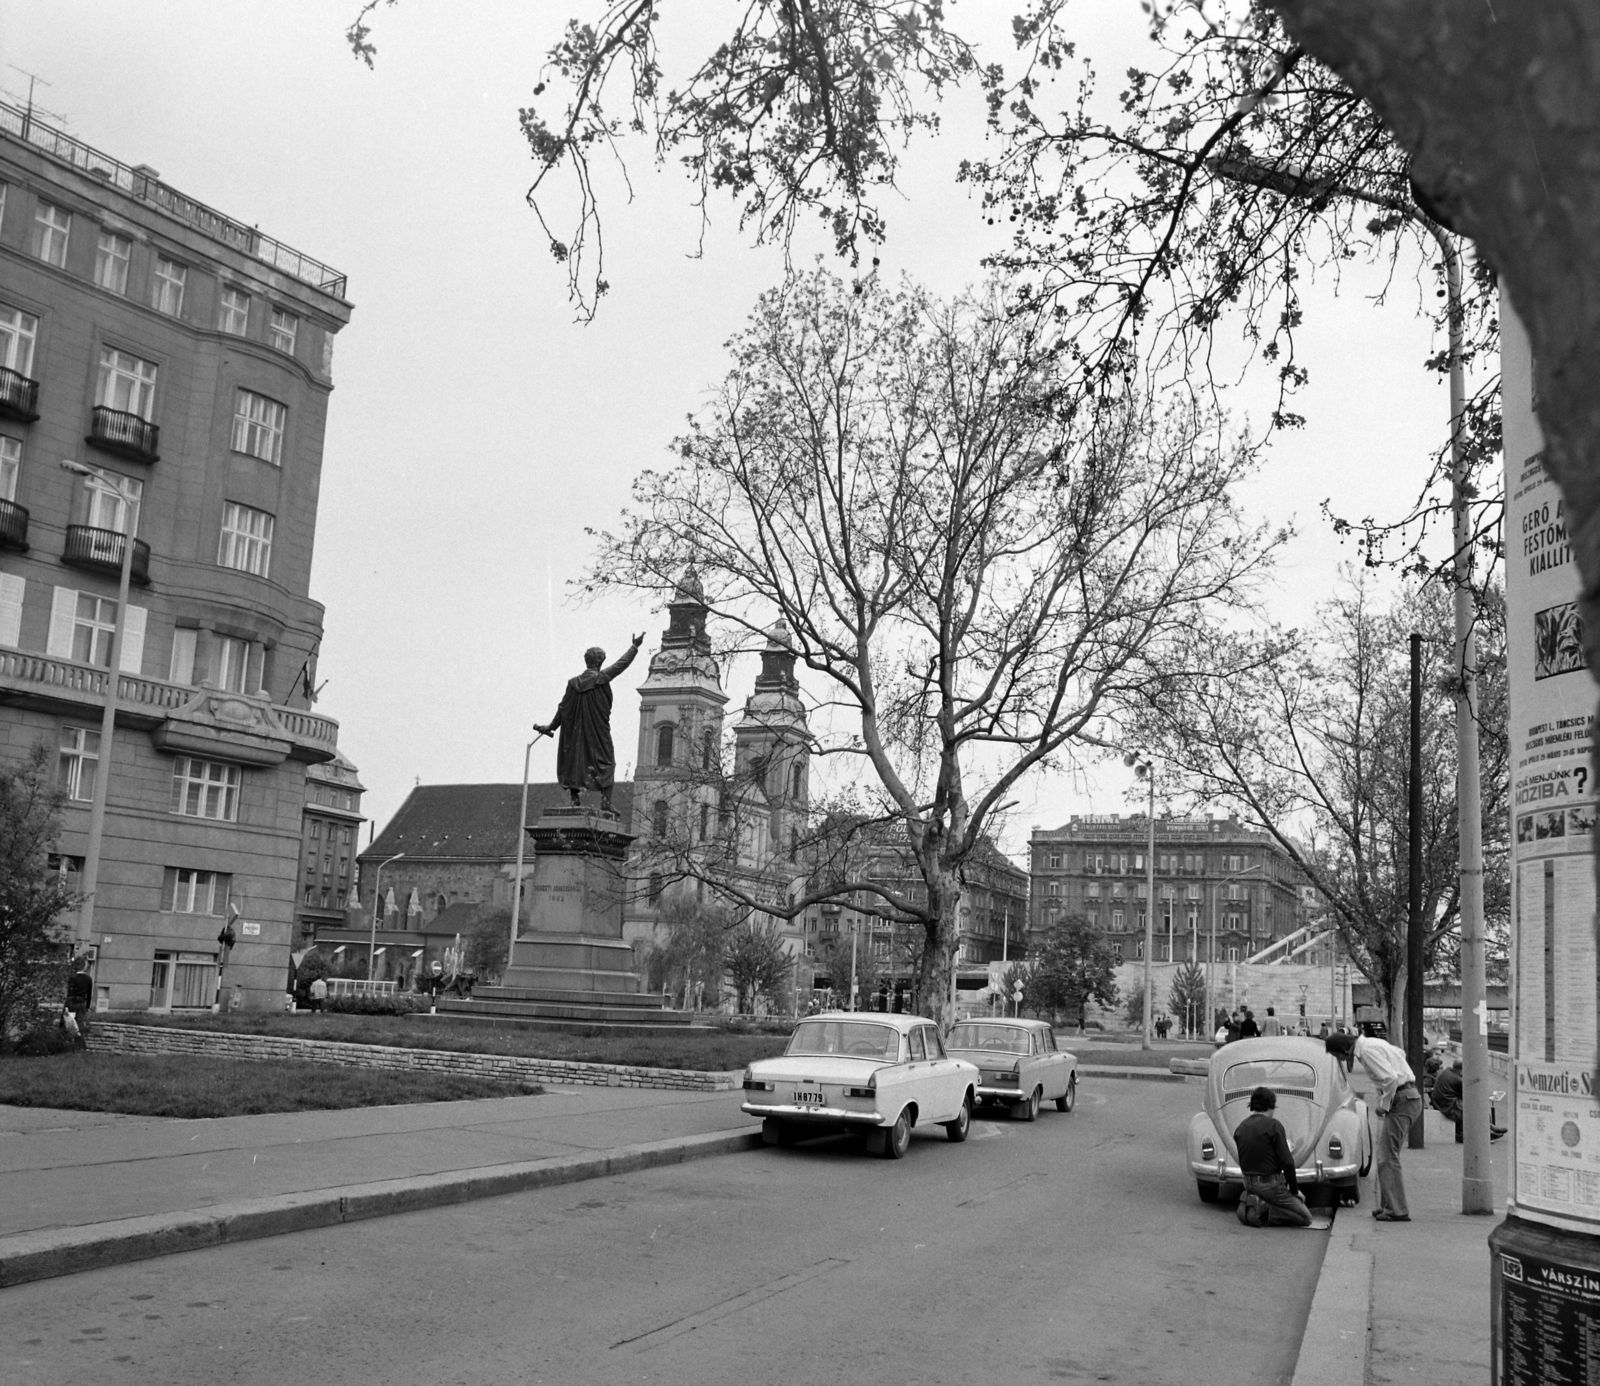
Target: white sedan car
(868, 1073)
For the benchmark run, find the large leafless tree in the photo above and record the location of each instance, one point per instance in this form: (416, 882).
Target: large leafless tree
(976, 575)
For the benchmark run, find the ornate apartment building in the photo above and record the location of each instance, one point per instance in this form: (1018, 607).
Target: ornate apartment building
(1219, 885)
(180, 361)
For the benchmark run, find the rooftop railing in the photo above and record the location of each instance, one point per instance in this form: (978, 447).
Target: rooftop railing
(142, 183)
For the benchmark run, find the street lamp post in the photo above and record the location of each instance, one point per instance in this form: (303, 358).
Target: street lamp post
(522, 834)
(1477, 1190)
(1145, 768)
(377, 905)
(108, 717)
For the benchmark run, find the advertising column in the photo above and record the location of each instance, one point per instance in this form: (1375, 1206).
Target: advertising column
(1545, 1268)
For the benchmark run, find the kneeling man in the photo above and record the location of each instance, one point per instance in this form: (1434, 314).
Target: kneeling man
(1271, 1191)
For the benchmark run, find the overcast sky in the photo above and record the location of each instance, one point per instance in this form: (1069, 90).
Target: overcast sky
(476, 429)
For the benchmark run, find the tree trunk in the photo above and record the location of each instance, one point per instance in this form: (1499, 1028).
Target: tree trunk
(936, 975)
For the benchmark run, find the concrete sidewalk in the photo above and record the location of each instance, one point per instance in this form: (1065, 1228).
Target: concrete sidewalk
(1407, 1301)
(79, 1189)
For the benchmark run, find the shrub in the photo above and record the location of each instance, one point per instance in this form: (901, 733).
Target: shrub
(47, 1037)
(398, 1003)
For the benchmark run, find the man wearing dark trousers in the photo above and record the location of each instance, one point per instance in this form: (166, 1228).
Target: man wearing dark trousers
(1271, 1191)
(80, 995)
(1399, 1104)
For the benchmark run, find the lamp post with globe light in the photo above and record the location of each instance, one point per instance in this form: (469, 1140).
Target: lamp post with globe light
(1145, 768)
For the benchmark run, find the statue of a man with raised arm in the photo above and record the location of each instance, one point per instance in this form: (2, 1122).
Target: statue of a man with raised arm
(585, 757)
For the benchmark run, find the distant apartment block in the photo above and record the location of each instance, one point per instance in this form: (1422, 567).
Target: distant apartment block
(1222, 889)
(187, 358)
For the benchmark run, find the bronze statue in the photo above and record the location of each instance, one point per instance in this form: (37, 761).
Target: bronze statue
(585, 757)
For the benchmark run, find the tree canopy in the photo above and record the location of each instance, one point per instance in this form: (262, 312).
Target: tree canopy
(34, 945)
(975, 574)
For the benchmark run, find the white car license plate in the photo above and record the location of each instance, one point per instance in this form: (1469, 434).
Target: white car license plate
(806, 1097)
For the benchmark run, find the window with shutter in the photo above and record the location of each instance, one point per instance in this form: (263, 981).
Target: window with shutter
(11, 590)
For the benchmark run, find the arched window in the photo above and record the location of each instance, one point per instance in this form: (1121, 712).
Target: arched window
(440, 905)
(797, 779)
(658, 817)
(655, 887)
(708, 748)
(664, 744)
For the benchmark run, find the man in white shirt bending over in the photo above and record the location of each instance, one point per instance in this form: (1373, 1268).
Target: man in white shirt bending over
(1399, 1104)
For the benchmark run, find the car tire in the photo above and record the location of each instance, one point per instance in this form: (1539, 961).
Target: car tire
(1209, 1190)
(873, 1141)
(788, 1134)
(771, 1131)
(897, 1138)
(957, 1129)
(1069, 1099)
(1029, 1110)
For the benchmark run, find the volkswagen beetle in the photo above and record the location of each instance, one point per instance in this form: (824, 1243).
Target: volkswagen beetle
(1325, 1121)
(870, 1074)
(1019, 1065)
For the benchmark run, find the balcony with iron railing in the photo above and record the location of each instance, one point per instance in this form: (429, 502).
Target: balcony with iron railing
(126, 434)
(49, 682)
(19, 396)
(13, 525)
(100, 550)
(146, 185)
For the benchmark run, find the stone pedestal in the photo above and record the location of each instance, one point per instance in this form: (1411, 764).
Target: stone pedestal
(573, 940)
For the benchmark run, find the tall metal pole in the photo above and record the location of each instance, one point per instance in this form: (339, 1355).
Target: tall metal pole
(1150, 901)
(522, 835)
(1414, 930)
(377, 907)
(1477, 1189)
(108, 716)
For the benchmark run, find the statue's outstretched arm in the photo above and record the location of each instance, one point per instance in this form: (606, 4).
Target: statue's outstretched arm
(612, 670)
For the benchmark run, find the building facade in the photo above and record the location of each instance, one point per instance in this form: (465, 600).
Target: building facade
(330, 841)
(181, 362)
(1224, 891)
(993, 913)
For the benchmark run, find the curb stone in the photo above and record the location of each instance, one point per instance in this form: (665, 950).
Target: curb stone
(1333, 1351)
(47, 1252)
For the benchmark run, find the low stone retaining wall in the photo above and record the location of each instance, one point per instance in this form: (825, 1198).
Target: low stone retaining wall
(116, 1038)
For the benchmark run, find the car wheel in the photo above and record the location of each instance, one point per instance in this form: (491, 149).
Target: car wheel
(788, 1134)
(874, 1141)
(957, 1129)
(1209, 1189)
(1029, 1110)
(1069, 1099)
(772, 1131)
(898, 1137)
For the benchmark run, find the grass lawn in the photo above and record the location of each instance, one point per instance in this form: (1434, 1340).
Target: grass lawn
(711, 1052)
(190, 1085)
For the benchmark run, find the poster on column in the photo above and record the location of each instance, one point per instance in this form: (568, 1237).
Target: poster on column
(1552, 826)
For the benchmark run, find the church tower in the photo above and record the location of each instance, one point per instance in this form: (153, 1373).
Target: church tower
(680, 728)
(771, 746)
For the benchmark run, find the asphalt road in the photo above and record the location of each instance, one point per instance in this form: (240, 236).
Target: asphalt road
(1070, 1250)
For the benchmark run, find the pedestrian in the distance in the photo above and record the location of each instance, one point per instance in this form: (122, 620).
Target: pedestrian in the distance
(1271, 1191)
(1272, 1025)
(1248, 1029)
(1235, 1027)
(1399, 1104)
(319, 993)
(80, 995)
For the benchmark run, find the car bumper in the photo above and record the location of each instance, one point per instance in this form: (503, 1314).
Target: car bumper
(988, 1093)
(1226, 1172)
(814, 1116)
